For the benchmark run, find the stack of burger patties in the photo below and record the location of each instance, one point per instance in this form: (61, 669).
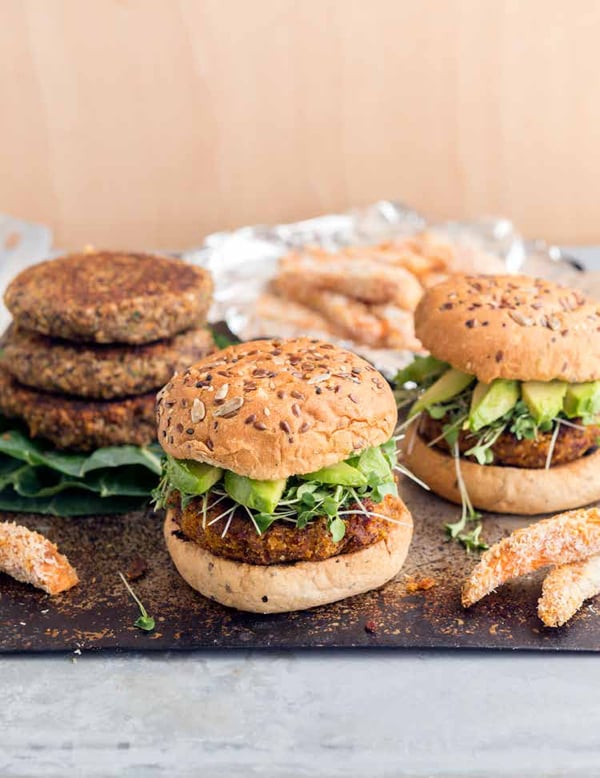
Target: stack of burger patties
(94, 335)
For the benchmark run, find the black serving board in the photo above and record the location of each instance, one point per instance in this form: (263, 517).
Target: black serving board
(99, 614)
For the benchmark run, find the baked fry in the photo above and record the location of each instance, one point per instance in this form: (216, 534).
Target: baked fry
(32, 558)
(363, 278)
(568, 537)
(566, 588)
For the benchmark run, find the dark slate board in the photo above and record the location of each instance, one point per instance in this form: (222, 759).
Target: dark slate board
(99, 614)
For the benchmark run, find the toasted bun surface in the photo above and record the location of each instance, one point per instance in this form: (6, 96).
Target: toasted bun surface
(270, 409)
(297, 586)
(110, 297)
(511, 327)
(515, 490)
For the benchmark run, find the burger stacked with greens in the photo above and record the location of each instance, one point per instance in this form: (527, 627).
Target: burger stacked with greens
(279, 476)
(505, 413)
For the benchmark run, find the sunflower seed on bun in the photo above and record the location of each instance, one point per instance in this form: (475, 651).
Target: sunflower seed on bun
(281, 452)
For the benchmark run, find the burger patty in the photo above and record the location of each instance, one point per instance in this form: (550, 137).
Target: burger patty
(282, 542)
(82, 425)
(100, 371)
(110, 297)
(571, 444)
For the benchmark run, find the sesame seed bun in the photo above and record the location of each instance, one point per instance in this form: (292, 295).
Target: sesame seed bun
(270, 409)
(279, 588)
(516, 327)
(518, 490)
(110, 297)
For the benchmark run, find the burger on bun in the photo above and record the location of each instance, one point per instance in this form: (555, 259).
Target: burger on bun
(279, 476)
(504, 414)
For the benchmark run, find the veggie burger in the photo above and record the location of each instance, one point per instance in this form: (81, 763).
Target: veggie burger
(505, 411)
(279, 476)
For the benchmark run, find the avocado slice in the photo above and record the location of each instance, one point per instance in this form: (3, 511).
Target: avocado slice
(582, 399)
(420, 369)
(341, 474)
(544, 399)
(261, 496)
(191, 477)
(491, 401)
(451, 383)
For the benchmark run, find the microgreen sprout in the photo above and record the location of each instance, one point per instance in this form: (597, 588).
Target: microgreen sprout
(144, 621)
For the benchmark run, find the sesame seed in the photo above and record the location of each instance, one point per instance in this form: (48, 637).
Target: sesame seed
(210, 445)
(285, 426)
(266, 411)
(304, 427)
(297, 395)
(260, 426)
(296, 409)
(353, 398)
(250, 419)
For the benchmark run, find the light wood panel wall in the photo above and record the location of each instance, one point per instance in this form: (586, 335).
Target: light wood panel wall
(153, 122)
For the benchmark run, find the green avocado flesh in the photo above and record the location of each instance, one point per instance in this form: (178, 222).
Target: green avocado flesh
(582, 399)
(544, 400)
(341, 473)
(191, 477)
(262, 496)
(420, 369)
(451, 383)
(491, 401)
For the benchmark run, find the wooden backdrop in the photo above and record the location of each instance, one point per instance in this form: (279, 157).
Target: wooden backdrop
(153, 122)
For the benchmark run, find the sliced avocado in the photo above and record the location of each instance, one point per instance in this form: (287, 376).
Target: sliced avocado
(582, 399)
(341, 473)
(544, 399)
(451, 383)
(374, 466)
(261, 496)
(191, 477)
(491, 401)
(420, 369)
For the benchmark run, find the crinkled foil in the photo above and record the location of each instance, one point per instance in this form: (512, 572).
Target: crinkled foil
(243, 262)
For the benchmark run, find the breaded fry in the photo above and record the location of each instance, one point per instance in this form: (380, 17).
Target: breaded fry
(363, 278)
(566, 588)
(568, 537)
(32, 558)
(285, 312)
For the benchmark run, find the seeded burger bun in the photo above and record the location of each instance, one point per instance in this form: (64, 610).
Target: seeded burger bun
(520, 328)
(271, 410)
(99, 371)
(516, 327)
(110, 297)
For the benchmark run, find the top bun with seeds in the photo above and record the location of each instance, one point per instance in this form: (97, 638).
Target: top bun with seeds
(513, 327)
(110, 297)
(269, 409)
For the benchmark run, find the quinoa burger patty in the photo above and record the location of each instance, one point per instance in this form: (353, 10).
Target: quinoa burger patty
(281, 542)
(100, 371)
(571, 443)
(82, 425)
(110, 297)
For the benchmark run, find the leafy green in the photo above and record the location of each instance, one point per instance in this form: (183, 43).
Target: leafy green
(37, 478)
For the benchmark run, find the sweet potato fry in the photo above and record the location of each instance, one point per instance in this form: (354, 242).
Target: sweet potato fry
(566, 588)
(32, 558)
(568, 537)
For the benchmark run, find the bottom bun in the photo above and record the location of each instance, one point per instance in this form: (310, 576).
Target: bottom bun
(293, 586)
(517, 490)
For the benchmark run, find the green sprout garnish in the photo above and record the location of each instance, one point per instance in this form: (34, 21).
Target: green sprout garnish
(144, 621)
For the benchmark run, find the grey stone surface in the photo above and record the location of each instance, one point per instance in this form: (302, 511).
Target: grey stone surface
(243, 714)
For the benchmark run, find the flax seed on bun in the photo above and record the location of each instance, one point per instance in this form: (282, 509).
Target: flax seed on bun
(270, 409)
(514, 327)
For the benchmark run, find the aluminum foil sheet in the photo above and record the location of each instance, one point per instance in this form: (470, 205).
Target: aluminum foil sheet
(244, 261)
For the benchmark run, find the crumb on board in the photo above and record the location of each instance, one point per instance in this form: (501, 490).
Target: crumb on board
(415, 584)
